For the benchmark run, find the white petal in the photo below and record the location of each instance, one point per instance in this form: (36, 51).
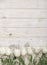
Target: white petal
(2, 50)
(17, 52)
(44, 50)
(8, 51)
(23, 51)
(29, 51)
(37, 49)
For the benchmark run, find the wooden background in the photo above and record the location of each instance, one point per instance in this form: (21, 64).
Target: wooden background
(23, 21)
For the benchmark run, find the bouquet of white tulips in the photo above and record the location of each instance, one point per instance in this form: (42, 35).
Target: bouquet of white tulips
(23, 56)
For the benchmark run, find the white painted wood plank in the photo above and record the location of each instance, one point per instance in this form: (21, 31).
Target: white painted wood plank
(22, 13)
(22, 41)
(24, 23)
(43, 4)
(22, 4)
(23, 32)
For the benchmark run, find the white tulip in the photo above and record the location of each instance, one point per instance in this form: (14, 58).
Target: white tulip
(37, 49)
(2, 50)
(23, 51)
(29, 51)
(17, 52)
(7, 51)
(44, 50)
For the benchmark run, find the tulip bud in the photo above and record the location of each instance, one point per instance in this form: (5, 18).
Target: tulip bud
(7, 51)
(17, 52)
(2, 50)
(23, 51)
(44, 50)
(38, 49)
(29, 51)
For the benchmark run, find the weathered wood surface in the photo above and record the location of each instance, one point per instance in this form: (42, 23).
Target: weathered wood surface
(23, 21)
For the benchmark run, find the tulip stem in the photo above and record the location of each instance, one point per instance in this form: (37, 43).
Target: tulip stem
(30, 60)
(21, 60)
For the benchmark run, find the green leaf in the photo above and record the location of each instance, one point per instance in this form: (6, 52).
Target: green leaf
(9, 60)
(21, 60)
(30, 60)
(43, 60)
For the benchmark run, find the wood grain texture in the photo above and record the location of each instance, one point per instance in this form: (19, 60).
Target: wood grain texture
(23, 21)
